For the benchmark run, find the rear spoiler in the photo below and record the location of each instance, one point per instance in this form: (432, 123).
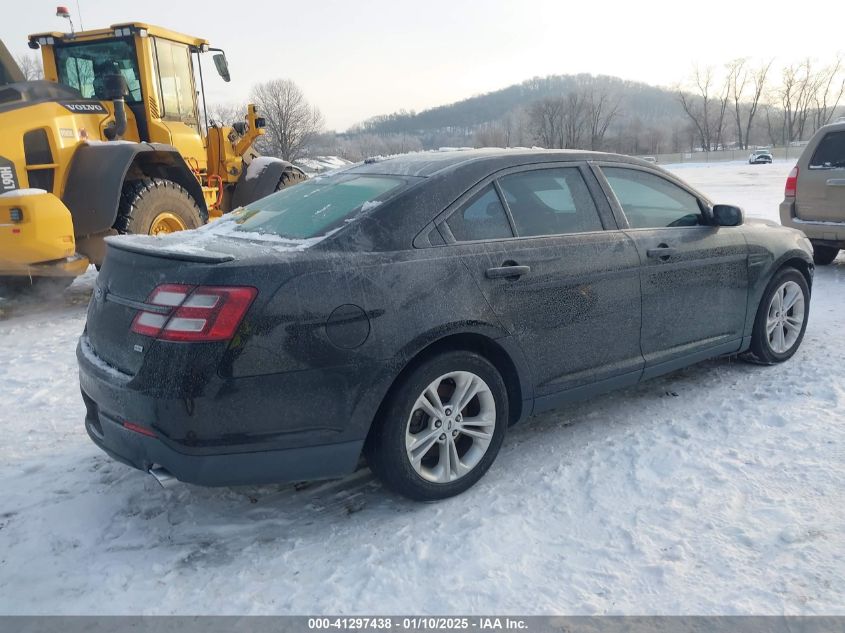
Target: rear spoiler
(146, 247)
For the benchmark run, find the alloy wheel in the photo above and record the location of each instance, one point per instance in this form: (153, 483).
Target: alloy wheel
(450, 427)
(785, 317)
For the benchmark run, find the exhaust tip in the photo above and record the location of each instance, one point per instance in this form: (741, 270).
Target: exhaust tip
(163, 476)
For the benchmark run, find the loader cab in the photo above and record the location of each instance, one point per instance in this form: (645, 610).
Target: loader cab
(158, 66)
(84, 66)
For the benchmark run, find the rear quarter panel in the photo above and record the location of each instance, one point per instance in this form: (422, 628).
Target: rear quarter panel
(358, 319)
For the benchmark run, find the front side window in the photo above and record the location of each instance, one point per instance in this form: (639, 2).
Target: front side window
(651, 202)
(482, 218)
(550, 202)
(175, 81)
(830, 153)
(85, 66)
(315, 207)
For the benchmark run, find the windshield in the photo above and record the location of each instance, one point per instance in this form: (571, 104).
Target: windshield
(84, 65)
(316, 207)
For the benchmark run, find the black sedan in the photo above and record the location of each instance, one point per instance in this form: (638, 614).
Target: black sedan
(411, 309)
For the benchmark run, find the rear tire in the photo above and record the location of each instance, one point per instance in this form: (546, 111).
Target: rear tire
(824, 255)
(781, 318)
(455, 445)
(154, 206)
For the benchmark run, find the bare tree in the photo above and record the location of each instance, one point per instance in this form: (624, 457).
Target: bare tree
(515, 126)
(698, 106)
(719, 124)
(226, 113)
(31, 67)
(546, 118)
(574, 119)
(797, 96)
(399, 144)
(829, 89)
(774, 123)
(746, 88)
(602, 108)
(291, 121)
(494, 134)
(561, 122)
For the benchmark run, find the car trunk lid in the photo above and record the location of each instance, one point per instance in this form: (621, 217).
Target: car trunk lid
(132, 271)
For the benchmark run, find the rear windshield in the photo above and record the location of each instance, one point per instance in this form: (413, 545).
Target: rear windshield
(316, 207)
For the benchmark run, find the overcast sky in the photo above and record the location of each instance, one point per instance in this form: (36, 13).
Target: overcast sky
(358, 59)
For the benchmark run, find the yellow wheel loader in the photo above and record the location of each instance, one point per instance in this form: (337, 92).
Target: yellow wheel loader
(112, 141)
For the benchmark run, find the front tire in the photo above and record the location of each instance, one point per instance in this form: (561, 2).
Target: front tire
(290, 177)
(155, 206)
(824, 255)
(781, 318)
(441, 428)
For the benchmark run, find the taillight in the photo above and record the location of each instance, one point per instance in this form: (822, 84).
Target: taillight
(203, 313)
(791, 189)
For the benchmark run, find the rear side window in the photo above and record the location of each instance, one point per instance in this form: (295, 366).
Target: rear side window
(482, 218)
(830, 152)
(550, 202)
(652, 202)
(315, 207)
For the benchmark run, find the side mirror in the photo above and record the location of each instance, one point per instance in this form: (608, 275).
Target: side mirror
(222, 66)
(727, 215)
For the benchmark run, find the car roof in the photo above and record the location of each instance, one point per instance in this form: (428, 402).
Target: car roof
(430, 163)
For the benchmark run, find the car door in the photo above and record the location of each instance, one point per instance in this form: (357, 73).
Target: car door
(557, 272)
(694, 275)
(821, 183)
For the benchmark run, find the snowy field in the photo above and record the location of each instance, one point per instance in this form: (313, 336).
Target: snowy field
(717, 489)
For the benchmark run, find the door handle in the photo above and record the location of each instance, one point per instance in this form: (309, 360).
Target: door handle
(663, 252)
(836, 182)
(507, 272)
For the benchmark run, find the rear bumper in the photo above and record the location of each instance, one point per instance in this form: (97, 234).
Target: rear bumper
(109, 400)
(827, 233)
(223, 469)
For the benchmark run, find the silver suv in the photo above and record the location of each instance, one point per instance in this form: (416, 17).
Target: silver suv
(814, 198)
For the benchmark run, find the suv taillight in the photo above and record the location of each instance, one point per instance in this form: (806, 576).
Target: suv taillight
(791, 189)
(202, 313)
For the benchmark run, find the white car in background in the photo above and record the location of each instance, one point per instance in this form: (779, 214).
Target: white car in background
(759, 157)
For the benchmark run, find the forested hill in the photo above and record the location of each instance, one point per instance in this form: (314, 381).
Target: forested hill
(641, 101)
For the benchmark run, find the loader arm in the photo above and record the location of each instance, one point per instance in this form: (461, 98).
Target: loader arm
(10, 72)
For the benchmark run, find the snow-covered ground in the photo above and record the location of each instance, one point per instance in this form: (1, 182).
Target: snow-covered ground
(717, 489)
(758, 189)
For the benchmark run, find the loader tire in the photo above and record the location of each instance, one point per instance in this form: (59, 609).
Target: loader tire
(290, 177)
(155, 206)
